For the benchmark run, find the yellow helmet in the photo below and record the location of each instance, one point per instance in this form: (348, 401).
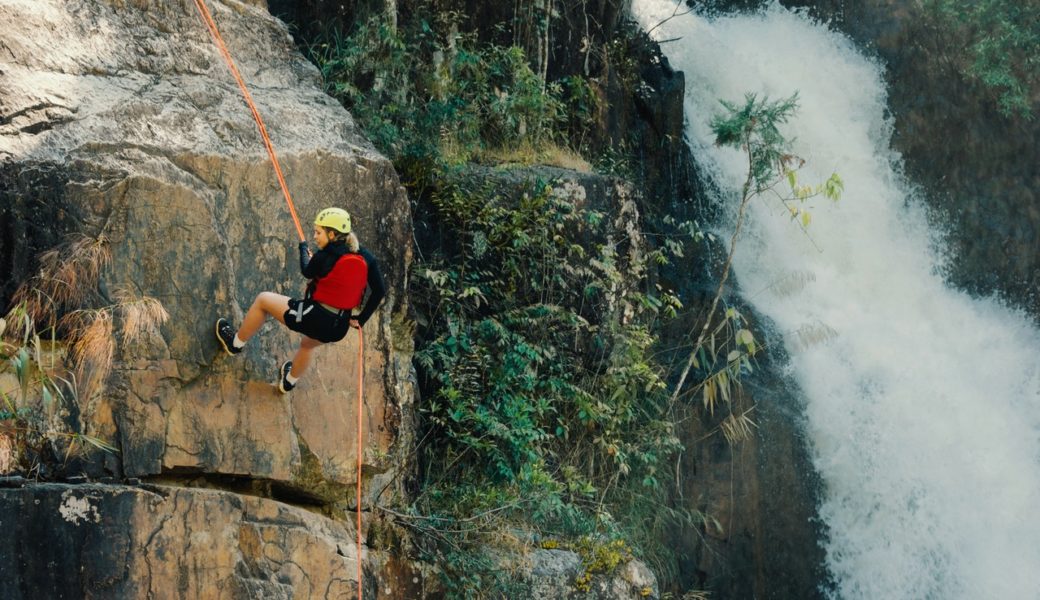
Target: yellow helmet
(334, 218)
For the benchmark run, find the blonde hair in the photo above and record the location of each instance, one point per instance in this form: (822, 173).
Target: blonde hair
(349, 239)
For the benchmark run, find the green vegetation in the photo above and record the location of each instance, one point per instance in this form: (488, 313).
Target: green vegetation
(422, 94)
(543, 405)
(599, 558)
(546, 416)
(1003, 46)
(752, 128)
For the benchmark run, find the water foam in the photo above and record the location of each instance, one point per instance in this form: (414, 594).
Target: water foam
(924, 408)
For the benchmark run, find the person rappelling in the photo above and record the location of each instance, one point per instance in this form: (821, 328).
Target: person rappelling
(339, 274)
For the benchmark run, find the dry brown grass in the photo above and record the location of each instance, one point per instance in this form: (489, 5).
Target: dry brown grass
(140, 314)
(36, 306)
(67, 276)
(552, 155)
(92, 337)
(813, 334)
(67, 280)
(92, 346)
(8, 454)
(738, 428)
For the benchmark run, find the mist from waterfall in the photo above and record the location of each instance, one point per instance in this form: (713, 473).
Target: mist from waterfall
(923, 403)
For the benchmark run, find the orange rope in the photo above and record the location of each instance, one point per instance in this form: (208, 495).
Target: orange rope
(212, 26)
(360, 430)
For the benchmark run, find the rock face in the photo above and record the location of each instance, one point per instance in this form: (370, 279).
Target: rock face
(96, 541)
(552, 572)
(122, 121)
(762, 539)
(110, 541)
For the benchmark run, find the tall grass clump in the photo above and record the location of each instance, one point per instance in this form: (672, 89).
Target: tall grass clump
(58, 345)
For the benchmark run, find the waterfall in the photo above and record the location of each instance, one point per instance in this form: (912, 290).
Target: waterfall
(922, 403)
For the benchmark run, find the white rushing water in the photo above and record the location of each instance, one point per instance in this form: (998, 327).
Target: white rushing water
(924, 404)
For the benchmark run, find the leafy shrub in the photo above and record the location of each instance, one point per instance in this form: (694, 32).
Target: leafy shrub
(418, 92)
(520, 318)
(1003, 46)
(542, 400)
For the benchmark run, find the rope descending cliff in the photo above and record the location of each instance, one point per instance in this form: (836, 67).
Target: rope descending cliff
(219, 42)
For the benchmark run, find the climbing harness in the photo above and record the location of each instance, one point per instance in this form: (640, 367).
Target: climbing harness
(215, 34)
(299, 311)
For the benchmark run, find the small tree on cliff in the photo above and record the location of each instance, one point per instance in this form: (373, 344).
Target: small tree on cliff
(754, 128)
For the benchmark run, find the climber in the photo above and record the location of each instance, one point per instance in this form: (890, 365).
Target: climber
(339, 273)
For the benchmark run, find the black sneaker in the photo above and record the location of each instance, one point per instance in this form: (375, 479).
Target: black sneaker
(226, 335)
(283, 374)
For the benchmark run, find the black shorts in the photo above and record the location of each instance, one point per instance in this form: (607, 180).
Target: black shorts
(315, 321)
